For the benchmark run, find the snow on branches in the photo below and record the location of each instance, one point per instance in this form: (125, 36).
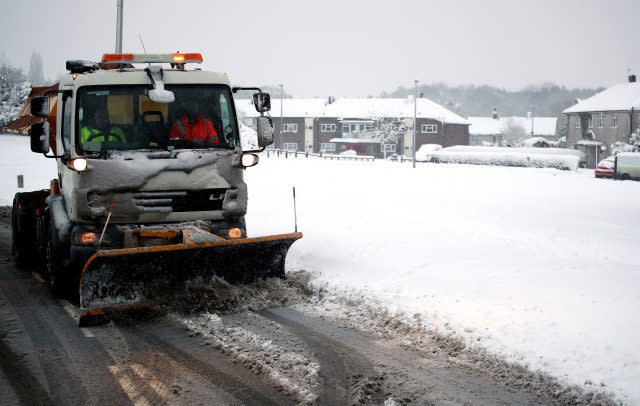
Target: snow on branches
(14, 89)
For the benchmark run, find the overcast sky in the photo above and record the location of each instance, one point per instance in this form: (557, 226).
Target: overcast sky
(344, 47)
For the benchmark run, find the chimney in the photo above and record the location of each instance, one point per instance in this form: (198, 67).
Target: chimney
(495, 114)
(632, 78)
(330, 100)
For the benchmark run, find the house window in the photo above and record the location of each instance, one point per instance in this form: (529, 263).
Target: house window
(590, 124)
(578, 121)
(429, 128)
(614, 120)
(328, 128)
(290, 146)
(328, 147)
(290, 128)
(497, 139)
(474, 139)
(387, 147)
(368, 127)
(345, 128)
(601, 120)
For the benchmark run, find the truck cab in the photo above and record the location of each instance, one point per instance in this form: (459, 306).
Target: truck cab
(142, 153)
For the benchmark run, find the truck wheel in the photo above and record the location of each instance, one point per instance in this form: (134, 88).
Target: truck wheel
(23, 241)
(54, 269)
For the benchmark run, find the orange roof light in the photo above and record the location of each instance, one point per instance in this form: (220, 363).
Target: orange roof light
(152, 58)
(117, 58)
(187, 58)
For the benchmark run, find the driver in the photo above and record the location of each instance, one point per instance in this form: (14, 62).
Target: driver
(97, 126)
(193, 126)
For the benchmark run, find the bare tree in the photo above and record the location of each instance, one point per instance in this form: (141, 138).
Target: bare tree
(386, 130)
(635, 139)
(513, 133)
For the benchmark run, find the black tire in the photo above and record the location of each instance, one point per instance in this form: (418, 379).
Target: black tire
(54, 271)
(626, 176)
(23, 236)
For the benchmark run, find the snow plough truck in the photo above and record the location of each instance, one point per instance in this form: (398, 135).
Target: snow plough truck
(149, 191)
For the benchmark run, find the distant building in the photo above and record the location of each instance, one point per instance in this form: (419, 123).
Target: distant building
(489, 130)
(595, 124)
(335, 125)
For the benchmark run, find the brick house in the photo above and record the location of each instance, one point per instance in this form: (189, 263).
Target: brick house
(336, 125)
(595, 124)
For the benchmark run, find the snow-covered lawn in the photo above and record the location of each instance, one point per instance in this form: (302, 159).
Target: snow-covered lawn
(540, 265)
(16, 159)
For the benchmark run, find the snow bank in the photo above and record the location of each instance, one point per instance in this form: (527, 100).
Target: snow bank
(558, 158)
(563, 162)
(537, 265)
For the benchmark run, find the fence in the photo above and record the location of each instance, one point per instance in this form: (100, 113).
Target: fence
(298, 154)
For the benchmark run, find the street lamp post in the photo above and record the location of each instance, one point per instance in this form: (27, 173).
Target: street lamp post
(415, 124)
(119, 27)
(281, 97)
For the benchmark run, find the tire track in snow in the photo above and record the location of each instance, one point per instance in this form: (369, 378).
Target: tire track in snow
(342, 369)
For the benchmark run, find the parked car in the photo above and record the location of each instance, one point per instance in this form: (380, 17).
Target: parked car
(349, 152)
(426, 151)
(627, 165)
(605, 167)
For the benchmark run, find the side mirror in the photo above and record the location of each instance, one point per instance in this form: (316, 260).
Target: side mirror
(262, 102)
(265, 131)
(40, 106)
(39, 134)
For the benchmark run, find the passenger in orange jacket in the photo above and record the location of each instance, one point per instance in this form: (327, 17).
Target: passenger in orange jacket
(194, 127)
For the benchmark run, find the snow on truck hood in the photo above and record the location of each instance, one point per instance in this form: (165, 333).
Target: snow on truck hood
(125, 173)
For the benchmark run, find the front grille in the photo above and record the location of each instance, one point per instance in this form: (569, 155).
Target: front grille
(180, 201)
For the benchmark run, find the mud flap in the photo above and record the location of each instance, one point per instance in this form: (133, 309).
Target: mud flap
(122, 278)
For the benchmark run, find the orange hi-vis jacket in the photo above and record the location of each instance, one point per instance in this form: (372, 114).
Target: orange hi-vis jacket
(200, 132)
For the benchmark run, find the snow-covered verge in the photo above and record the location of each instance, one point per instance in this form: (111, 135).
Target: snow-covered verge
(539, 266)
(558, 158)
(16, 159)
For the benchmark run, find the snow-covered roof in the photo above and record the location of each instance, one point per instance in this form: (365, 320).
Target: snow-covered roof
(290, 107)
(616, 98)
(355, 108)
(542, 126)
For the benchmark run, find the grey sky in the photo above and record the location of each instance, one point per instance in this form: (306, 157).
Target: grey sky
(346, 48)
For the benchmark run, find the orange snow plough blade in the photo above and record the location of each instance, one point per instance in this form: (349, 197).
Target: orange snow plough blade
(122, 278)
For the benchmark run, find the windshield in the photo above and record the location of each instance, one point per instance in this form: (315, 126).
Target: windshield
(124, 118)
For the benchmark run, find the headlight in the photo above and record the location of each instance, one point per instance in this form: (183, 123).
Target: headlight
(78, 164)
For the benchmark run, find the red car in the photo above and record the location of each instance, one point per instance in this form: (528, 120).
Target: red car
(605, 168)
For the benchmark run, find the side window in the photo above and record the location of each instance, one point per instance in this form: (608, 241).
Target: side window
(225, 115)
(67, 113)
